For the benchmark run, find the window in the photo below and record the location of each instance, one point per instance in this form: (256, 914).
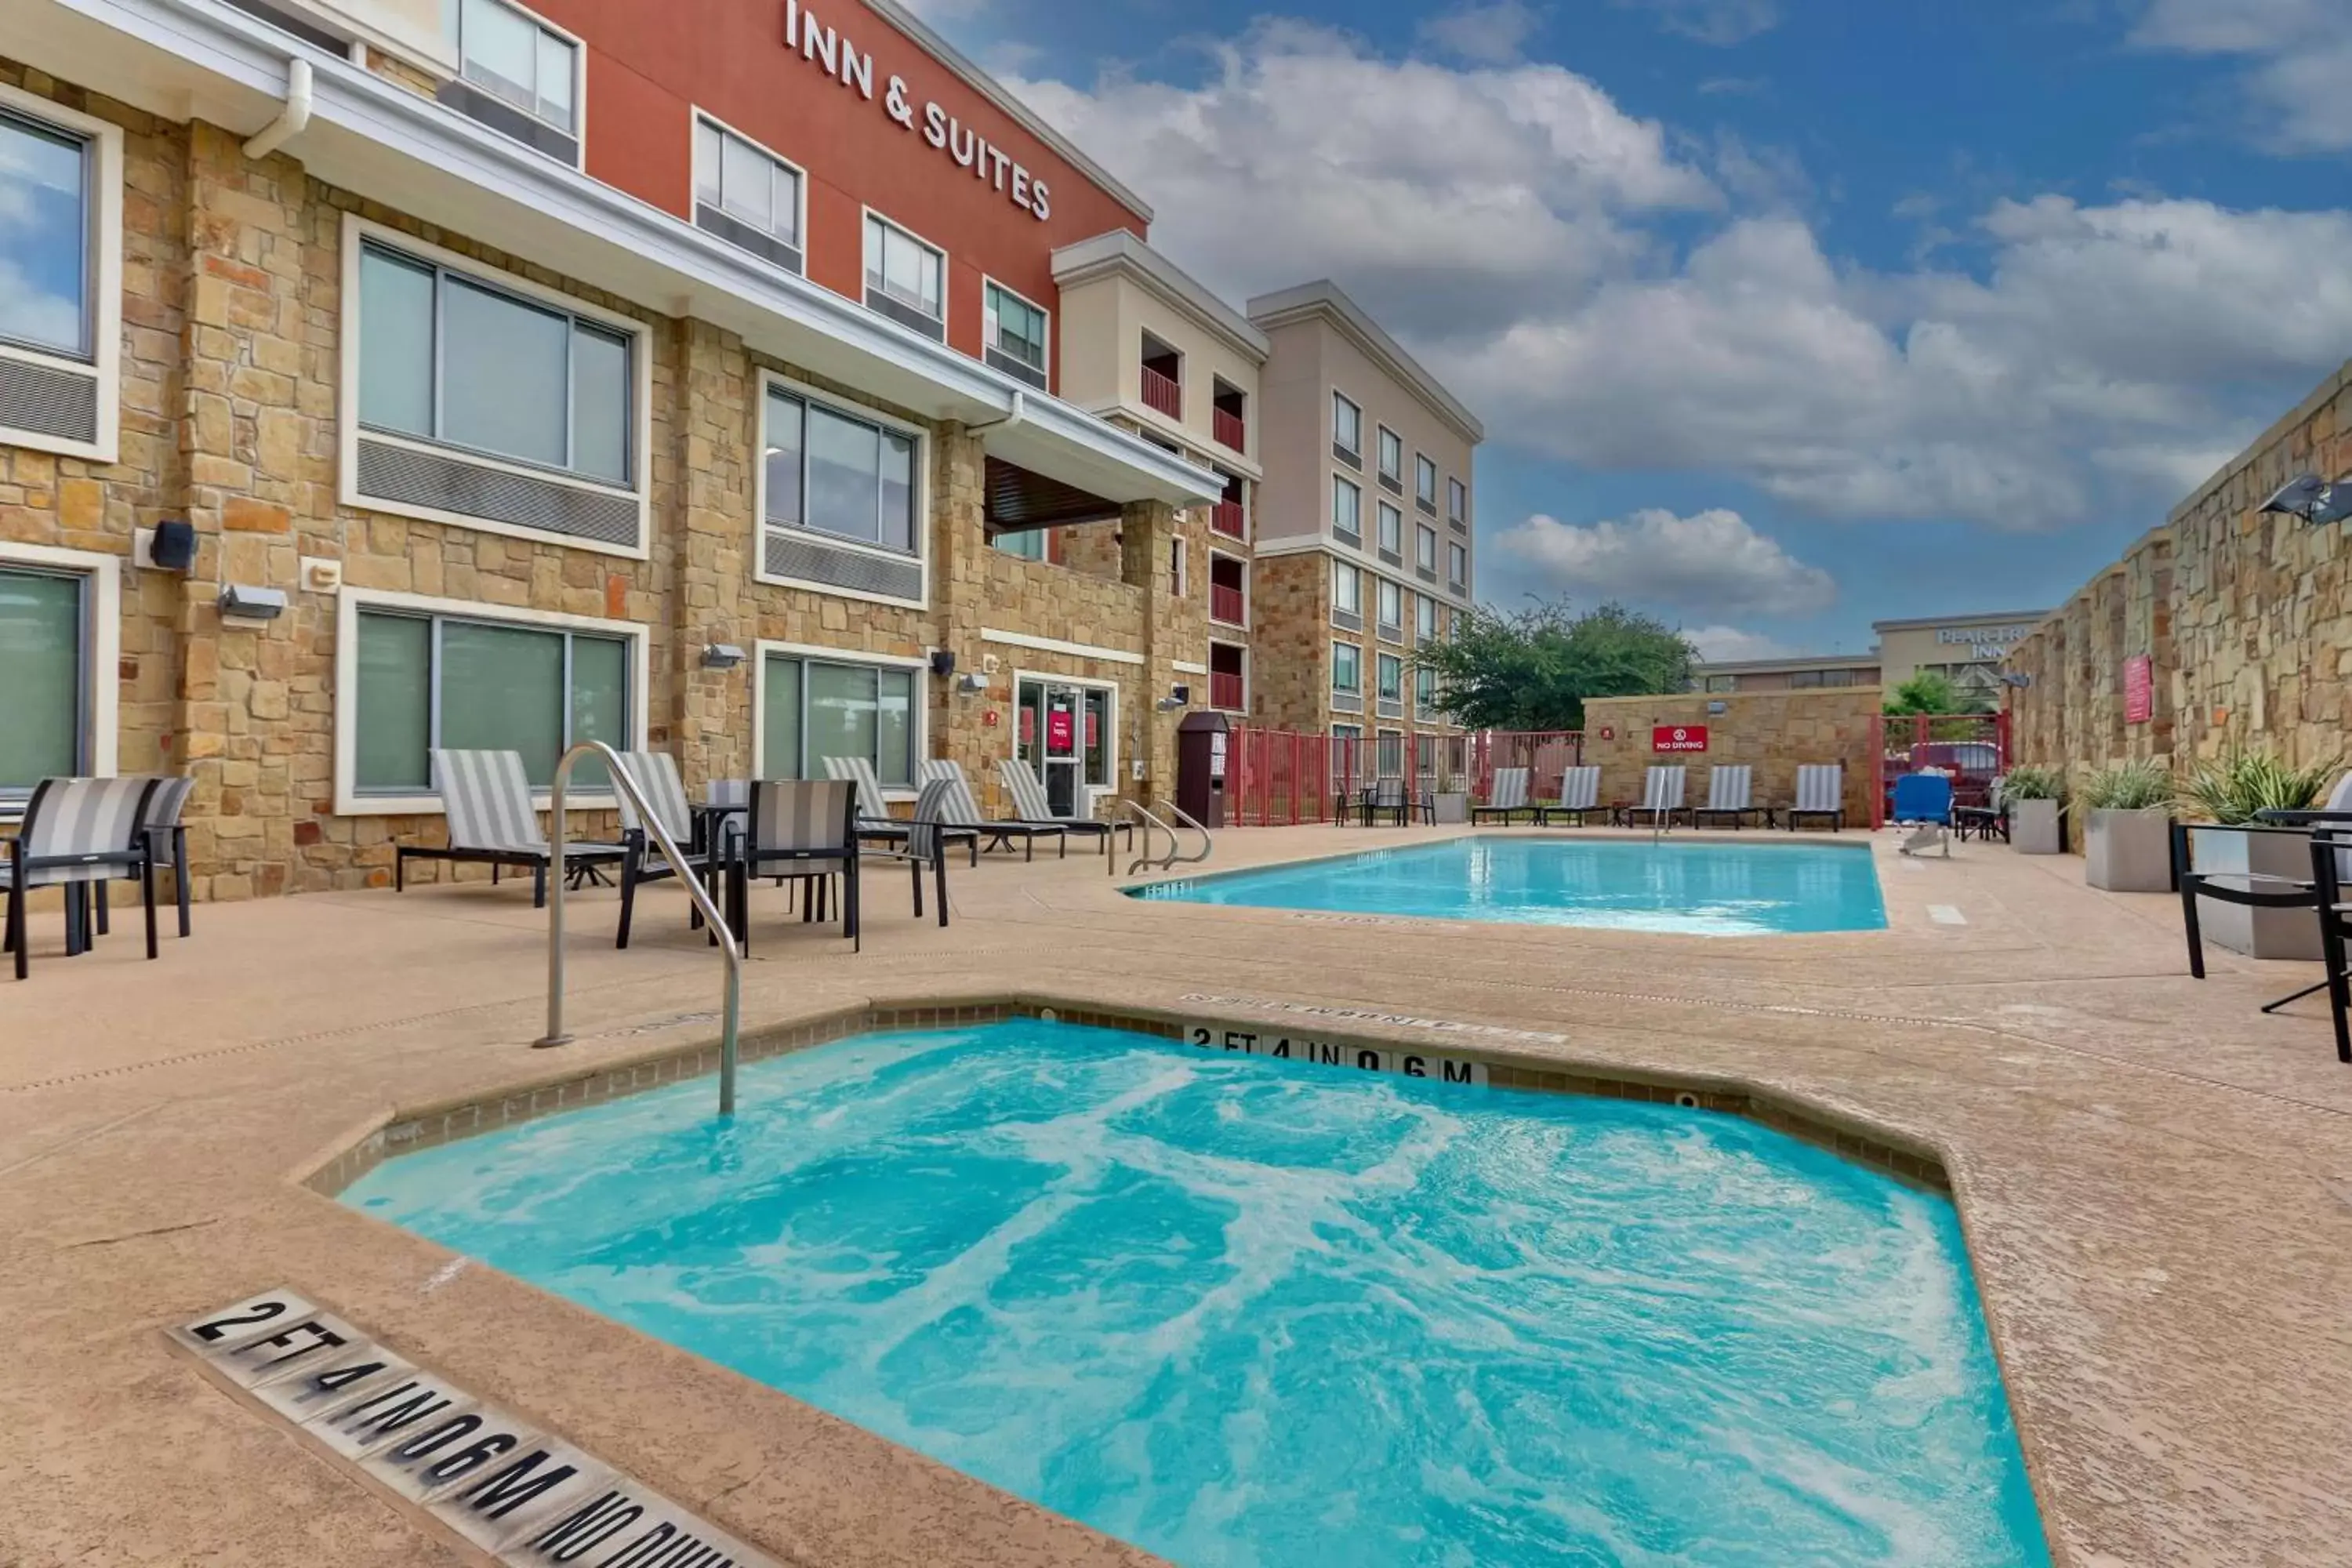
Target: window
(1723, 683)
(1424, 483)
(1424, 757)
(1347, 591)
(1391, 754)
(1029, 544)
(1457, 501)
(1392, 459)
(60, 279)
(813, 709)
(1814, 680)
(426, 680)
(1425, 692)
(746, 194)
(1014, 331)
(905, 277)
(1425, 549)
(1346, 429)
(43, 668)
(1177, 563)
(46, 179)
(1457, 566)
(1391, 609)
(1347, 511)
(1391, 532)
(1347, 667)
(447, 358)
(832, 472)
(1424, 612)
(1391, 679)
(519, 76)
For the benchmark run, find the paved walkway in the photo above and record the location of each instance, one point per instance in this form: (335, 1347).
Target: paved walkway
(2155, 1181)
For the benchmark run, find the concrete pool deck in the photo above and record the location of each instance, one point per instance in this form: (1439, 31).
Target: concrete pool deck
(2156, 1179)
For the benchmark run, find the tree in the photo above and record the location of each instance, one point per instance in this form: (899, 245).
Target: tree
(1534, 669)
(1933, 692)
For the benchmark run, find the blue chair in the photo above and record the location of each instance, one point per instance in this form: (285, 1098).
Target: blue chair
(1923, 802)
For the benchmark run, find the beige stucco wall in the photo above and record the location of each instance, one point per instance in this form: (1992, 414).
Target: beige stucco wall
(1103, 319)
(1775, 733)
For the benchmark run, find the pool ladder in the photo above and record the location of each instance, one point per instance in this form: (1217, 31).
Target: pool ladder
(1138, 813)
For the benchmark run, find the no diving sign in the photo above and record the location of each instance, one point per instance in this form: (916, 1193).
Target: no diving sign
(1679, 738)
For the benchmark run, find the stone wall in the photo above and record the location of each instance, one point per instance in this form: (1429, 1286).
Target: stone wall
(1290, 639)
(1774, 732)
(2245, 617)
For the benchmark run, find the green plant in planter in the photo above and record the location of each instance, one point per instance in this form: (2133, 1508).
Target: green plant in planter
(2033, 784)
(2232, 790)
(2134, 786)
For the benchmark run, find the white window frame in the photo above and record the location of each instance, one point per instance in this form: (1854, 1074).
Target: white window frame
(1456, 491)
(1210, 670)
(579, 130)
(1243, 562)
(1424, 534)
(1355, 575)
(1380, 662)
(1357, 689)
(1338, 397)
(1180, 565)
(1462, 581)
(1425, 676)
(922, 498)
(800, 218)
(1337, 481)
(1386, 510)
(357, 231)
(1380, 439)
(1381, 739)
(351, 601)
(1423, 463)
(920, 721)
(104, 281)
(988, 316)
(1390, 631)
(1425, 609)
(871, 215)
(102, 646)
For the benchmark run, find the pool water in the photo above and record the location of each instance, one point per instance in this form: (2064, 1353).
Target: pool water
(1681, 886)
(1246, 1312)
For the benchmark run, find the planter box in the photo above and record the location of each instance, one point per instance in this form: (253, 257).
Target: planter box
(2034, 828)
(1453, 808)
(2257, 933)
(2129, 851)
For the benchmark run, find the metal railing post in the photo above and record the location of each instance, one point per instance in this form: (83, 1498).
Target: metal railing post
(559, 837)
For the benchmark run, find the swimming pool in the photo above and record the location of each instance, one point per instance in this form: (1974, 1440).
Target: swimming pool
(1681, 886)
(1246, 1314)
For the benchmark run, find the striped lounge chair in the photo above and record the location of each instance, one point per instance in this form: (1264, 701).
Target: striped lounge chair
(167, 839)
(1505, 797)
(798, 827)
(963, 811)
(1662, 795)
(874, 823)
(494, 822)
(79, 834)
(1820, 791)
(1029, 800)
(1579, 797)
(1730, 794)
(656, 775)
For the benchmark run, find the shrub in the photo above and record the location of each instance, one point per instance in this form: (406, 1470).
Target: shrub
(2033, 784)
(2134, 786)
(2231, 790)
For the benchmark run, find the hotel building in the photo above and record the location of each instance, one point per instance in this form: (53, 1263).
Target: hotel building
(1363, 540)
(1968, 650)
(760, 383)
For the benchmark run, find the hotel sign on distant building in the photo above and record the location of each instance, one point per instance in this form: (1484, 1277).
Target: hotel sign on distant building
(834, 53)
(1986, 644)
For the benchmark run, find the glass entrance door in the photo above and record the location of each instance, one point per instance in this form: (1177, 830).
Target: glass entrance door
(1053, 733)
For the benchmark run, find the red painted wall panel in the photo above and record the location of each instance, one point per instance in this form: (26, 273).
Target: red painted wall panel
(651, 64)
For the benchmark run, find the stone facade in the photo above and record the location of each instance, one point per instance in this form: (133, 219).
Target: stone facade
(2246, 619)
(232, 309)
(1775, 733)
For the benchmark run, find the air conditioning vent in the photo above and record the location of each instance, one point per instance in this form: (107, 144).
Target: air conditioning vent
(1019, 368)
(907, 316)
(407, 477)
(1347, 702)
(46, 401)
(508, 120)
(1391, 556)
(757, 241)
(797, 555)
(1348, 620)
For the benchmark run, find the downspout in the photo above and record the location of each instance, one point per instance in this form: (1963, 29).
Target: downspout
(292, 119)
(1019, 415)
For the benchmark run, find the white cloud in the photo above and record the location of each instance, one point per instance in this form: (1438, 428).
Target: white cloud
(1606, 293)
(1488, 34)
(1709, 563)
(2297, 54)
(1723, 643)
(1720, 22)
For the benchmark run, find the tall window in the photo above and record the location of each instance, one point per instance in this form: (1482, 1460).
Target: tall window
(1391, 532)
(1392, 458)
(449, 358)
(1391, 754)
(1425, 692)
(1014, 331)
(1457, 566)
(811, 710)
(521, 61)
(44, 676)
(1424, 612)
(1457, 501)
(1391, 679)
(1347, 590)
(905, 277)
(1425, 549)
(434, 680)
(1347, 429)
(746, 194)
(1391, 608)
(1347, 511)
(1424, 482)
(1347, 667)
(1029, 544)
(839, 474)
(46, 193)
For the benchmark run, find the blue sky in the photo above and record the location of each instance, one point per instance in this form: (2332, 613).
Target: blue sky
(1783, 315)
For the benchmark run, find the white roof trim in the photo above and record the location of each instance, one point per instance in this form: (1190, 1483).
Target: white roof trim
(1324, 299)
(1121, 253)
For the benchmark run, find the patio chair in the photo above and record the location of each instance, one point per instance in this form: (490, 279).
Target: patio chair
(1579, 797)
(874, 822)
(78, 834)
(1662, 795)
(2261, 890)
(1730, 793)
(656, 775)
(1506, 795)
(2331, 868)
(1392, 797)
(494, 822)
(804, 828)
(167, 839)
(1820, 791)
(963, 811)
(1923, 803)
(1985, 820)
(1029, 800)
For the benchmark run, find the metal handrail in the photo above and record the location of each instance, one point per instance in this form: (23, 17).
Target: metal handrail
(1175, 842)
(732, 1014)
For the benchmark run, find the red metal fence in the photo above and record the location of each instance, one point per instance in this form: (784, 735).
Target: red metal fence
(1228, 429)
(1164, 393)
(1973, 748)
(1279, 777)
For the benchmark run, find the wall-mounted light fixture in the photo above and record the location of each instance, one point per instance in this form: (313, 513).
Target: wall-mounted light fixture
(2316, 501)
(971, 685)
(169, 546)
(240, 602)
(722, 655)
(943, 662)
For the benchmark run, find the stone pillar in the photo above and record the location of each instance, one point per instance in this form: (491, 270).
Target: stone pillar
(1147, 532)
(708, 712)
(959, 580)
